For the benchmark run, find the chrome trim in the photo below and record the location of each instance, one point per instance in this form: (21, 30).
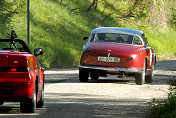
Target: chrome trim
(127, 70)
(150, 69)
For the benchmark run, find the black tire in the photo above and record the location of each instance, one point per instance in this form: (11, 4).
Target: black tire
(140, 77)
(83, 75)
(1, 102)
(94, 75)
(40, 103)
(29, 105)
(149, 78)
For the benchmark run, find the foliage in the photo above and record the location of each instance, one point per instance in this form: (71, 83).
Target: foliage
(58, 26)
(5, 15)
(9, 9)
(168, 109)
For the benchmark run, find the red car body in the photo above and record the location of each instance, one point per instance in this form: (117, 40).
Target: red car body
(21, 76)
(123, 51)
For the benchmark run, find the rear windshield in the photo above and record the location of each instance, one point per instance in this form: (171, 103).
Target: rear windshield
(113, 37)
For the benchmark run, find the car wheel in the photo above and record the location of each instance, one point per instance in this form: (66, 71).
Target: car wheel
(94, 75)
(1, 102)
(40, 103)
(149, 78)
(29, 105)
(83, 75)
(140, 77)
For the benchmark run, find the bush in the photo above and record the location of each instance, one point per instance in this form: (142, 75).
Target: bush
(167, 109)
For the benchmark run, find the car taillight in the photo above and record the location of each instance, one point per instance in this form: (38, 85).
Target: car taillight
(132, 57)
(13, 69)
(20, 69)
(30, 63)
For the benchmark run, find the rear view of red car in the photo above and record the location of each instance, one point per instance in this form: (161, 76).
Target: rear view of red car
(116, 50)
(21, 76)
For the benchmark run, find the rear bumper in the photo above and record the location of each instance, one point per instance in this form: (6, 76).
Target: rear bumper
(16, 92)
(112, 70)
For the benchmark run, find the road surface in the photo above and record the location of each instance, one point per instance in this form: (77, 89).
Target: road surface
(112, 97)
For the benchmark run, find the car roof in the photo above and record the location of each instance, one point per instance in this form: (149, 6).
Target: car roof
(120, 30)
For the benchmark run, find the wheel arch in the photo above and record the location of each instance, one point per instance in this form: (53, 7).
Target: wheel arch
(146, 63)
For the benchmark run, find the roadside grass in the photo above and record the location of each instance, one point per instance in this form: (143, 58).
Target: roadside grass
(166, 109)
(163, 42)
(59, 29)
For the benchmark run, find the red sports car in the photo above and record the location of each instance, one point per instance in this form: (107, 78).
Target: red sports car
(21, 76)
(115, 50)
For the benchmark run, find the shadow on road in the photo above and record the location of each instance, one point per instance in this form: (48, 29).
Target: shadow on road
(9, 109)
(159, 79)
(166, 65)
(58, 78)
(110, 81)
(75, 105)
(13, 111)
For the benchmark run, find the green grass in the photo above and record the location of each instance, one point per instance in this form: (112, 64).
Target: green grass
(163, 42)
(59, 29)
(168, 108)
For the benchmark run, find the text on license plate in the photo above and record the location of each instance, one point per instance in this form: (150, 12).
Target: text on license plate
(109, 59)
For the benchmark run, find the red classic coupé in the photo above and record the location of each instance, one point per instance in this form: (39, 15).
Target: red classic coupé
(115, 50)
(21, 76)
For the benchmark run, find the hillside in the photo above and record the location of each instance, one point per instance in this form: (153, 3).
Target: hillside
(58, 26)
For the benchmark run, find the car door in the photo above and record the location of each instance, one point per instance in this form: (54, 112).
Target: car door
(39, 77)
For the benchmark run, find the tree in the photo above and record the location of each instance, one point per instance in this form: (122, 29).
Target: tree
(92, 5)
(61, 1)
(8, 9)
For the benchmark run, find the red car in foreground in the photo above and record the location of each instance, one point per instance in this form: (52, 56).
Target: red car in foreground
(21, 76)
(115, 50)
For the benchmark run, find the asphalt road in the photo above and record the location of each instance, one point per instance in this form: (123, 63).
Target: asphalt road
(111, 97)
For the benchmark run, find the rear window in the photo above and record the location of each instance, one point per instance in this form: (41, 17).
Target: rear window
(137, 41)
(113, 37)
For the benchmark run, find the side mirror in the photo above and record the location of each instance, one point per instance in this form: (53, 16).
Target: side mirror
(38, 51)
(85, 38)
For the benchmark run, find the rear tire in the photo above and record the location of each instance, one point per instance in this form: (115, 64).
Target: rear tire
(83, 75)
(1, 102)
(94, 75)
(40, 103)
(140, 77)
(149, 78)
(29, 105)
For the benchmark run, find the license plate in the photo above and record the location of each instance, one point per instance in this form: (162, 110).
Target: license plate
(109, 59)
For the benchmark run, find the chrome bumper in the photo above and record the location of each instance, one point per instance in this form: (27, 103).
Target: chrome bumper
(126, 70)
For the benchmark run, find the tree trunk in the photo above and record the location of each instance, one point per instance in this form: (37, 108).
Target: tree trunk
(92, 5)
(61, 1)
